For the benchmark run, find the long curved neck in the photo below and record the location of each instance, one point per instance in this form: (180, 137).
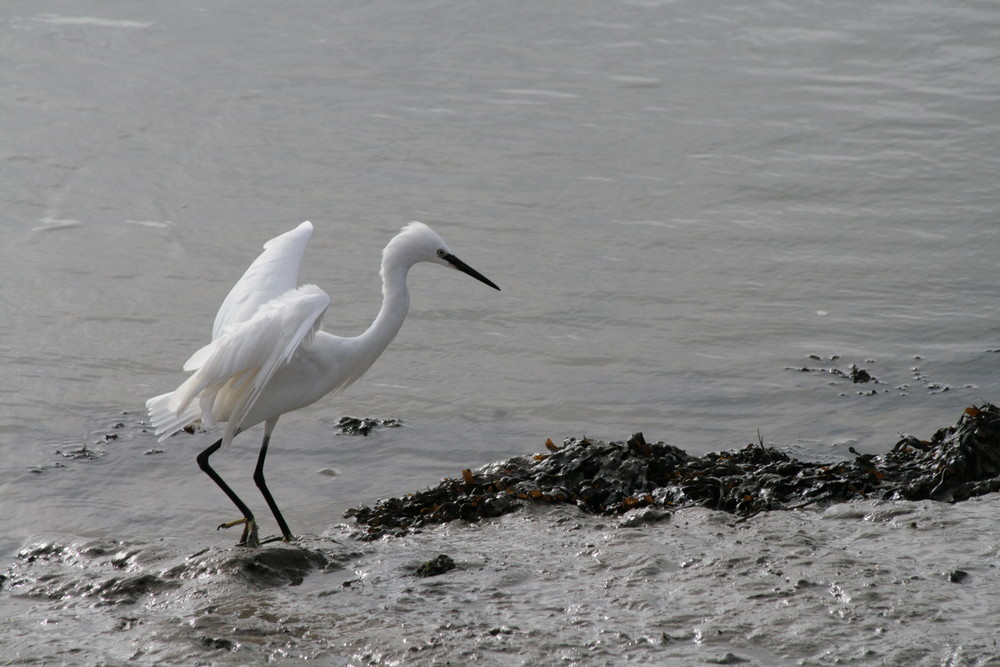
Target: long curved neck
(395, 305)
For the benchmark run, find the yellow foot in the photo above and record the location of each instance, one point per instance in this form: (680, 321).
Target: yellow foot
(239, 522)
(249, 537)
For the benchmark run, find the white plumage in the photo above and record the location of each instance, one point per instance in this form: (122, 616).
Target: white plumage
(268, 355)
(263, 322)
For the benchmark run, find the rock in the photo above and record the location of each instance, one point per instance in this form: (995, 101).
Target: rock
(435, 566)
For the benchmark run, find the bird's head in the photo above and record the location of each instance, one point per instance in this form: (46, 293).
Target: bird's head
(417, 242)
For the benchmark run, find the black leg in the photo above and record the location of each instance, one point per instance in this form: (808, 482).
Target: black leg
(258, 477)
(249, 529)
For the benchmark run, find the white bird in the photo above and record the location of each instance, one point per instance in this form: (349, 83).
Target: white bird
(268, 355)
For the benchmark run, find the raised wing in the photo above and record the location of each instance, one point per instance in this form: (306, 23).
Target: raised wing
(272, 274)
(231, 372)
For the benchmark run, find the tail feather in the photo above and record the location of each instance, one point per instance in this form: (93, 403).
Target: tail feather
(165, 421)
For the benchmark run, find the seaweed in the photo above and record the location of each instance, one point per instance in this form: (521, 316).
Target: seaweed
(609, 478)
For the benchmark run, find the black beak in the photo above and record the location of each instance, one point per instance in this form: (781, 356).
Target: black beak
(465, 268)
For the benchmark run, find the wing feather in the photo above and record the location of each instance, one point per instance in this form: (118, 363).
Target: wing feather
(273, 273)
(231, 372)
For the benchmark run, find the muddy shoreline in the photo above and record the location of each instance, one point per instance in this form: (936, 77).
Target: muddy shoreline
(701, 570)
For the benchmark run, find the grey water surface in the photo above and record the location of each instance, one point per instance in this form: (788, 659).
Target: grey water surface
(701, 216)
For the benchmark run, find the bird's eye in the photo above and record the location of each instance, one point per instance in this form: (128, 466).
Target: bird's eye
(441, 253)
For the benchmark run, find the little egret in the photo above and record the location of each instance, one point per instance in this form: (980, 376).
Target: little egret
(268, 356)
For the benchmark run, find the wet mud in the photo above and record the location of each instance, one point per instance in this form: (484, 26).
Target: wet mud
(867, 582)
(142, 602)
(882, 579)
(958, 462)
(114, 572)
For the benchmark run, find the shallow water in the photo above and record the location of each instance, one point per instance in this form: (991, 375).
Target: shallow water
(682, 203)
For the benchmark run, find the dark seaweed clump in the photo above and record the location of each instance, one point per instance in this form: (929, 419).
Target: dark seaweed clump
(438, 565)
(957, 463)
(365, 425)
